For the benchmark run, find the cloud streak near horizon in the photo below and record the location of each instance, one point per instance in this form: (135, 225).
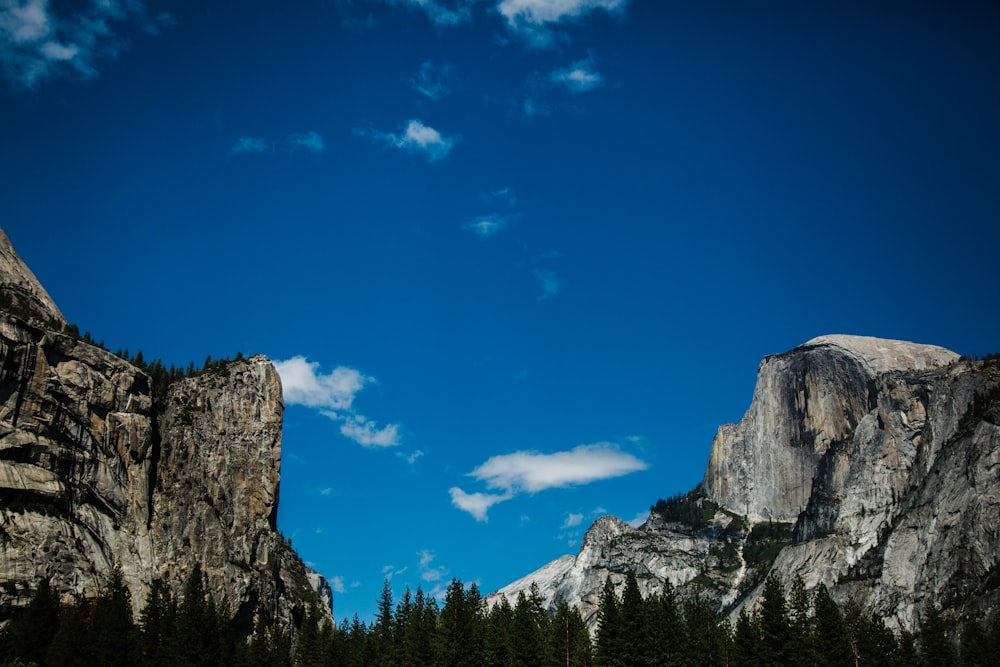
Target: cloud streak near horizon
(532, 472)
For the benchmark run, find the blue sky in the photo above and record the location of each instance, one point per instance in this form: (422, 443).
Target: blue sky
(517, 259)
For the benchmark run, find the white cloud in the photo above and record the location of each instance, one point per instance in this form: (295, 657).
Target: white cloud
(442, 13)
(39, 41)
(390, 571)
(578, 77)
(365, 432)
(415, 138)
(431, 80)
(249, 145)
(533, 20)
(533, 471)
(333, 395)
(311, 142)
(337, 584)
(412, 457)
(303, 384)
(550, 283)
(421, 138)
(639, 519)
(485, 226)
(477, 504)
(428, 573)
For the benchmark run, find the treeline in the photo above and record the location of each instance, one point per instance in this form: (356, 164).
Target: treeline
(162, 376)
(102, 632)
(797, 627)
(800, 628)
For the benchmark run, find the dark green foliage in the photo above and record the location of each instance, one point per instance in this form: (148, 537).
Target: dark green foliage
(112, 631)
(691, 508)
(660, 630)
(460, 627)
(567, 643)
(28, 634)
(935, 648)
(526, 645)
(832, 639)
(608, 646)
(775, 629)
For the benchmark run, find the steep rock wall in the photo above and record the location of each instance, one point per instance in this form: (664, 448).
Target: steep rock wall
(884, 456)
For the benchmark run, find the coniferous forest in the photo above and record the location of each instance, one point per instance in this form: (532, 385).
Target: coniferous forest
(794, 627)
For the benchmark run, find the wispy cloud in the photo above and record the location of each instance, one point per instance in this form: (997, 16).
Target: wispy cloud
(39, 42)
(415, 138)
(390, 571)
(578, 77)
(428, 573)
(550, 284)
(535, 20)
(505, 196)
(337, 584)
(308, 142)
(477, 504)
(367, 433)
(485, 226)
(432, 81)
(572, 520)
(532, 472)
(249, 145)
(311, 142)
(332, 394)
(442, 13)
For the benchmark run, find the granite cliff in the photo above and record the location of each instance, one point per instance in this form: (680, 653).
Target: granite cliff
(868, 465)
(96, 474)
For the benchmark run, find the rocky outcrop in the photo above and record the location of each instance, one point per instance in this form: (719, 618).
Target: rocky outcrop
(868, 465)
(21, 290)
(94, 475)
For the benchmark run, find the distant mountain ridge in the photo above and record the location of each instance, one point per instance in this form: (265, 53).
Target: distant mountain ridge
(94, 475)
(867, 465)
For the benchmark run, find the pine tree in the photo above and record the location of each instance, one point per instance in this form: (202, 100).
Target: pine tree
(873, 644)
(567, 643)
(157, 623)
(459, 638)
(28, 635)
(833, 642)
(635, 638)
(708, 641)
(71, 646)
(974, 645)
(385, 629)
(666, 626)
(775, 629)
(935, 648)
(609, 630)
(497, 638)
(526, 639)
(746, 640)
(111, 625)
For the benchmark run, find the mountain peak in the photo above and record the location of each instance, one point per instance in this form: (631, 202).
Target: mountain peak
(882, 355)
(18, 283)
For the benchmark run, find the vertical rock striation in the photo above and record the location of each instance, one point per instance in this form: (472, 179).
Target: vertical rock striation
(94, 476)
(869, 465)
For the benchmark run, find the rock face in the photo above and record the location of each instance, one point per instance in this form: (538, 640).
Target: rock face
(94, 475)
(868, 465)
